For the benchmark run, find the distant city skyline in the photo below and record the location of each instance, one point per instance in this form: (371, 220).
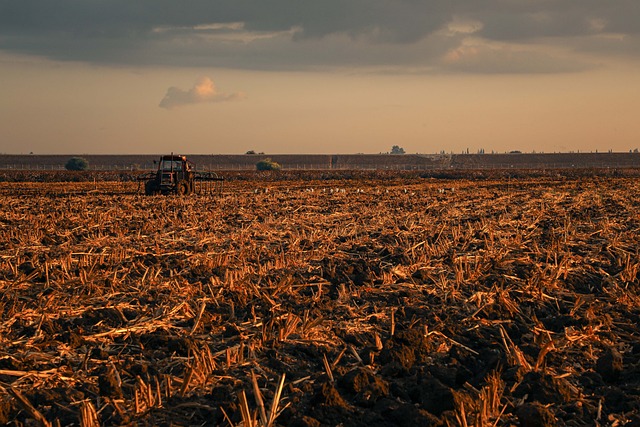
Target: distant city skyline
(320, 78)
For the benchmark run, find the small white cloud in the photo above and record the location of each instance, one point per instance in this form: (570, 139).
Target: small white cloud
(462, 26)
(203, 91)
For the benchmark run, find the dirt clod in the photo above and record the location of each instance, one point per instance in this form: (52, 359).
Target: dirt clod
(609, 365)
(544, 388)
(535, 415)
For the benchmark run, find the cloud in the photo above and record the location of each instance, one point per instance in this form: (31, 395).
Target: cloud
(203, 91)
(285, 34)
(482, 57)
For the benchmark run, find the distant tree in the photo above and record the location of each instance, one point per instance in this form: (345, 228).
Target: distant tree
(76, 164)
(268, 165)
(396, 149)
(250, 152)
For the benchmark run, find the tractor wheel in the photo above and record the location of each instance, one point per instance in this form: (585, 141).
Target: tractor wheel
(150, 188)
(183, 188)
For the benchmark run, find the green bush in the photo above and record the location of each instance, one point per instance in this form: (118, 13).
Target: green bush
(76, 164)
(268, 165)
(396, 149)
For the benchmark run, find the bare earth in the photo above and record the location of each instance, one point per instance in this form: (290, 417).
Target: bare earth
(355, 302)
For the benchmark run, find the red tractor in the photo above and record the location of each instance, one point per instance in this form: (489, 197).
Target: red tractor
(177, 175)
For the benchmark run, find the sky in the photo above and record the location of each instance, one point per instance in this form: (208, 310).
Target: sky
(331, 76)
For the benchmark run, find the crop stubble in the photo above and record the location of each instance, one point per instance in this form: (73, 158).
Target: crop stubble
(361, 302)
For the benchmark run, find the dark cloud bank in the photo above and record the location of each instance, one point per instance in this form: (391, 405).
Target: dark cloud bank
(302, 34)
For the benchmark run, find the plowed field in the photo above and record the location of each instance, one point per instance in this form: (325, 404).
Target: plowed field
(310, 303)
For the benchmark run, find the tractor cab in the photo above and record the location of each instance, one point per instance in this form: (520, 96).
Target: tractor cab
(172, 170)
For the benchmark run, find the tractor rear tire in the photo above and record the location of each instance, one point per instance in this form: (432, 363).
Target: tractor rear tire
(183, 188)
(150, 188)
